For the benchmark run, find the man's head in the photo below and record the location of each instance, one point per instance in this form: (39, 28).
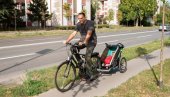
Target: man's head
(81, 18)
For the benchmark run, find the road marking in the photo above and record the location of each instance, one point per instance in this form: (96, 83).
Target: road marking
(40, 39)
(144, 36)
(17, 56)
(35, 53)
(107, 42)
(52, 42)
(124, 34)
(97, 43)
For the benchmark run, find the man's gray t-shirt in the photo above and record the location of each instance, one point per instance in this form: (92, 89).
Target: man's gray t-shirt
(84, 28)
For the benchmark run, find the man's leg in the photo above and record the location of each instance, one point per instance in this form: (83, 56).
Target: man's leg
(89, 52)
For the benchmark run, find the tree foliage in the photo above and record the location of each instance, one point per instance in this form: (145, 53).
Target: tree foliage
(110, 16)
(119, 16)
(67, 10)
(7, 10)
(167, 15)
(38, 12)
(137, 10)
(94, 8)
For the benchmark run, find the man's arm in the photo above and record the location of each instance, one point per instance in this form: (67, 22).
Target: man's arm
(89, 33)
(72, 35)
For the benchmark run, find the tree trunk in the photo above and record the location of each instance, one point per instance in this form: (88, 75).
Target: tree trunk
(43, 24)
(137, 22)
(38, 24)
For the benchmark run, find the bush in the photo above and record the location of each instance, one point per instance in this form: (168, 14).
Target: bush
(65, 27)
(73, 27)
(103, 26)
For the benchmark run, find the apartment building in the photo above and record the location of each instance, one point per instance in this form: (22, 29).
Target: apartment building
(56, 7)
(21, 6)
(58, 18)
(105, 5)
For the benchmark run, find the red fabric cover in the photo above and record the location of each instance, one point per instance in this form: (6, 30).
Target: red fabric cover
(107, 60)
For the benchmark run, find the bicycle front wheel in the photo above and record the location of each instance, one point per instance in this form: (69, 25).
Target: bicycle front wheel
(65, 76)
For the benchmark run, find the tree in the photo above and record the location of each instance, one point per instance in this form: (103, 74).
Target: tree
(137, 10)
(94, 8)
(38, 9)
(120, 16)
(84, 11)
(7, 10)
(110, 16)
(167, 16)
(67, 10)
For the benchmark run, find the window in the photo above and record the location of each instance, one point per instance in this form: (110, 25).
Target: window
(84, 2)
(69, 1)
(75, 6)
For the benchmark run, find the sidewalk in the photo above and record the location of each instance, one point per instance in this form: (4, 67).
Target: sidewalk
(106, 82)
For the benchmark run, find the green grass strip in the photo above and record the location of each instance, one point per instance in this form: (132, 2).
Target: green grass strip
(44, 33)
(144, 84)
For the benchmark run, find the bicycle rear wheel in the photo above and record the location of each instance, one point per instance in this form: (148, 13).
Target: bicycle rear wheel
(65, 76)
(123, 65)
(96, 63)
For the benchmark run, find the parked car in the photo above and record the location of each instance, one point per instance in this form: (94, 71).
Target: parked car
(166, 27)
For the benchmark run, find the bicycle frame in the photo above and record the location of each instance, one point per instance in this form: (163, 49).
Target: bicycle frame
(74, 57)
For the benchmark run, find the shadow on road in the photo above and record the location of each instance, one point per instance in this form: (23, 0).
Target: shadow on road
(40, 54)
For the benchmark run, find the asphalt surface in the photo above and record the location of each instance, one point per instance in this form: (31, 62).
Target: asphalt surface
(20, 55)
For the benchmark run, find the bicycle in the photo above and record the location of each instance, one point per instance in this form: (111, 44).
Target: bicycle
(66, 72)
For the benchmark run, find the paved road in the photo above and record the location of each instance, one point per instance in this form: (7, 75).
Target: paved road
(23, 54)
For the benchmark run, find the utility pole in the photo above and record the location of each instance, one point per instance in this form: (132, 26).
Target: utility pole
(26, 13)
(15, 20)
(162, 45)
(51, 12)
(15, 16)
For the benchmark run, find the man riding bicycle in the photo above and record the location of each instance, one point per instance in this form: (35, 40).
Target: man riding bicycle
(88, 39)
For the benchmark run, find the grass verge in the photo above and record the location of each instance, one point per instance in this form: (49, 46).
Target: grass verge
(40, 81)
(144, 84)
(43, 33)
(28, 34)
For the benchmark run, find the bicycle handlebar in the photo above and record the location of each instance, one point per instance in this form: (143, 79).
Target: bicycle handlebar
(76, 45)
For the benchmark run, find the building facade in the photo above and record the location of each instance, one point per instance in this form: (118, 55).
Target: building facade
(58, 19)
(21, 6)
(105, 5)
(56, 8)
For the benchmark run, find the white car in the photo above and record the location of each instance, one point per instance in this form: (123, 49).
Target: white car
(166, 27)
